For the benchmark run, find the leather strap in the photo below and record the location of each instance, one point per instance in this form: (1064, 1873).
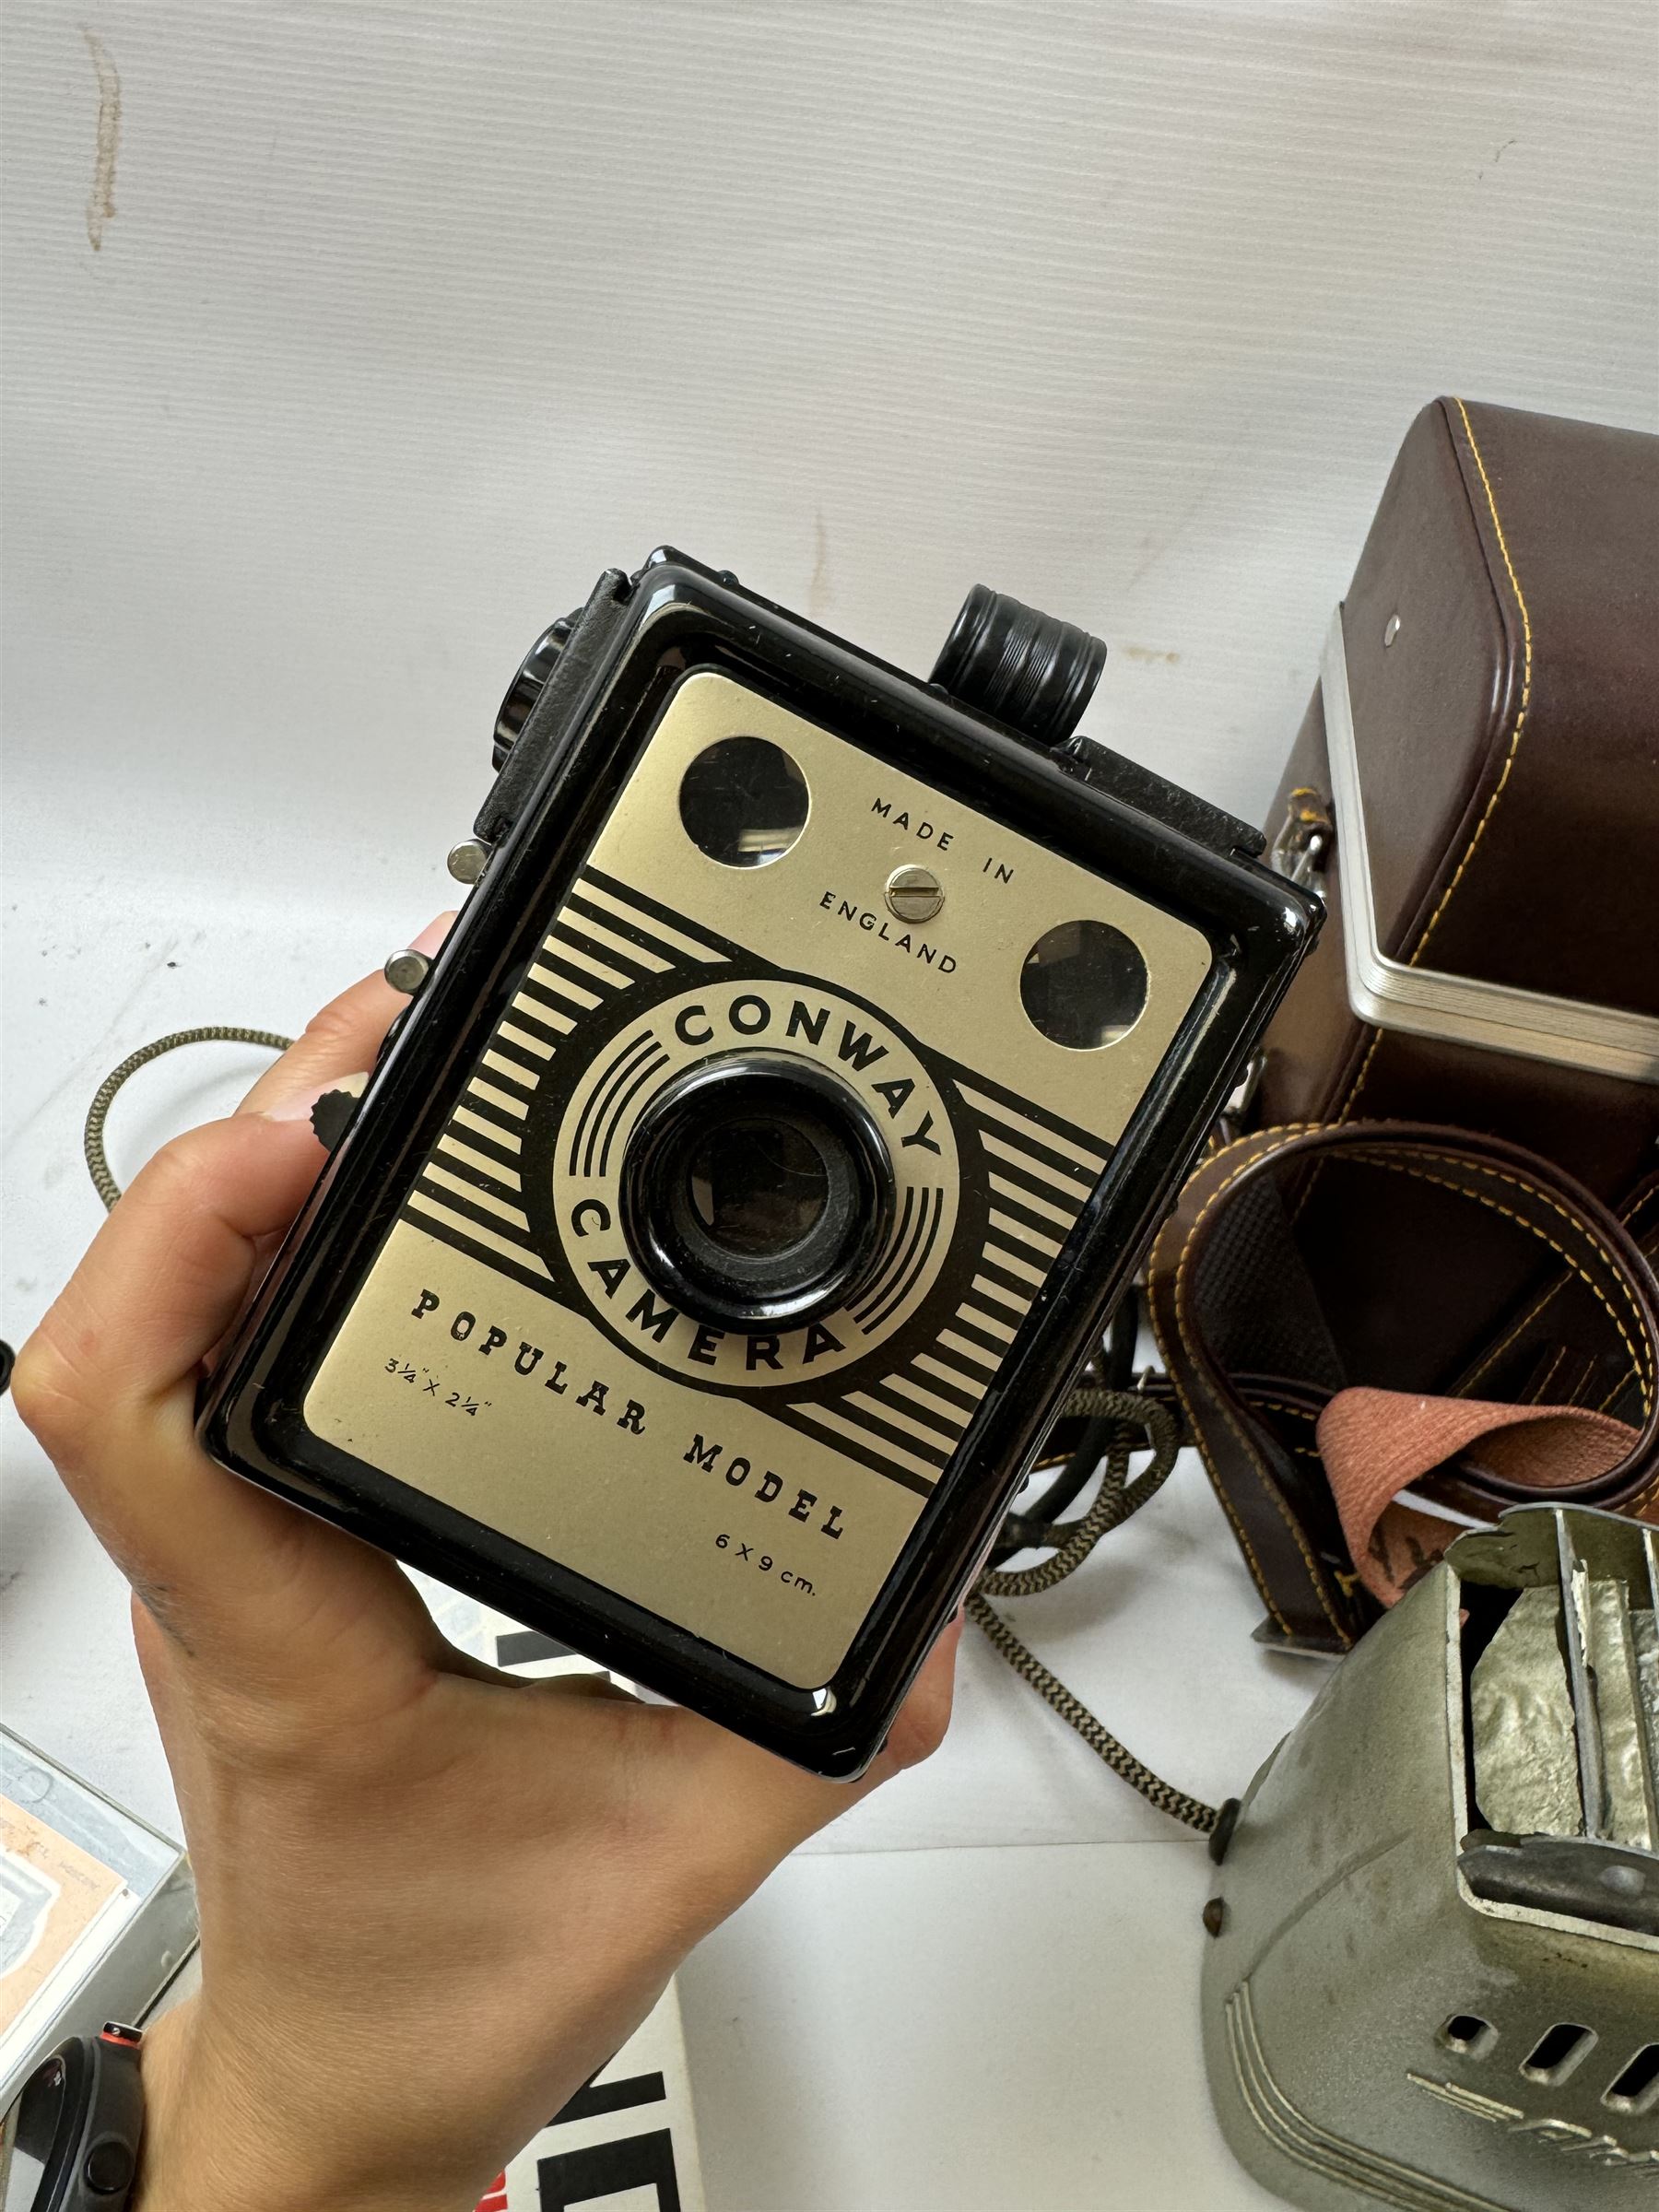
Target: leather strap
(1376, 1443)
(1252, 1363)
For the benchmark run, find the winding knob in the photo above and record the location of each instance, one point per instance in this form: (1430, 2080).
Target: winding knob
(1019, 666)
(526, 687)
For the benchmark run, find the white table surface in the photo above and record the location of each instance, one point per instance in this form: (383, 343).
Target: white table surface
(981, 1988)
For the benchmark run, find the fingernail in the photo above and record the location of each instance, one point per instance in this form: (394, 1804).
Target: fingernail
(433, 935)
(298, 1106)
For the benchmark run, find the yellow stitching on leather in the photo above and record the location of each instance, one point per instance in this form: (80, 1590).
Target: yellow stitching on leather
(1503, 1343)
(1262, 1148)
(1159, 1242)
(1515, 743)
(1637, 1366)
(1352, 1093)
(1639, 1363)
(1606, 1405)
(1259, 1580)
(1549, 1375)
(1297, 1413)
(1258, 1140)
(1353, 1089)
(1630, 1217)
(1554, 1290)
(1358, 1085)
(1263, 1591)
(1520, 1182)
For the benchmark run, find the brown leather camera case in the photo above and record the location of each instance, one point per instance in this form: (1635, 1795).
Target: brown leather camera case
(1502, 639)
(1475, 790)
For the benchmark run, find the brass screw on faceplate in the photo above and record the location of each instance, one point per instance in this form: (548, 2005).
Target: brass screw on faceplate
(914, 894)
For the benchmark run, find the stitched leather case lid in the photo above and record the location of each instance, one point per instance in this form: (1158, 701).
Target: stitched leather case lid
(1508, 740)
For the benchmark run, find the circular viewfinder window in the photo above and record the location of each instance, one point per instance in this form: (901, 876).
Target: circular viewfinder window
(743, 801)
(1084, 984)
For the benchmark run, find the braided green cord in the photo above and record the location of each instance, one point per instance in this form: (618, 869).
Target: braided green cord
(1117, 1499)
(97, 1165)
(1076, 1714)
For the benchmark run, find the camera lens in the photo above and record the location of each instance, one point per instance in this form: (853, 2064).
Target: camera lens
(756, 1190)
(758, 1187)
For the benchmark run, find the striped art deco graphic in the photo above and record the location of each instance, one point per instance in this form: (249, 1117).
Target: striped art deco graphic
(611, 940)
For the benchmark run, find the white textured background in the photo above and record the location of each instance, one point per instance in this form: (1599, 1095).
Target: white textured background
(343, 345)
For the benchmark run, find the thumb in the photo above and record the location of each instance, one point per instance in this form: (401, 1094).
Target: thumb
(751, 1809)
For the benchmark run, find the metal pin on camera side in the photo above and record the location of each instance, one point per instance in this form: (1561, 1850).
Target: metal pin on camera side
(407, 970)
(468, 860)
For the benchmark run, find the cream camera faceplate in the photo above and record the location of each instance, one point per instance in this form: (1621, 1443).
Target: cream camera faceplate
(507, 1356)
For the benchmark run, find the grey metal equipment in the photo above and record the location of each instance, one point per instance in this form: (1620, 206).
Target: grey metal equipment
(1433, 1978)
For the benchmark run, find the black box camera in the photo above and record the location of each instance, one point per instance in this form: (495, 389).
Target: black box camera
(754, 1167)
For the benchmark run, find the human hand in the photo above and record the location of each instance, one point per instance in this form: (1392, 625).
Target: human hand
(434, 1898)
